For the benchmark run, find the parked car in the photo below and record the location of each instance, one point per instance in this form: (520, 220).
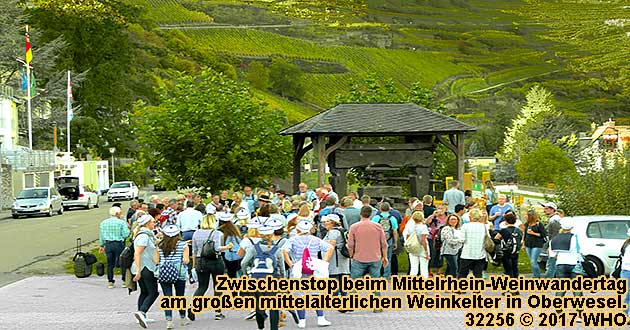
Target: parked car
(600, 238)
(78, 195)
(37, 201)
(122, 190)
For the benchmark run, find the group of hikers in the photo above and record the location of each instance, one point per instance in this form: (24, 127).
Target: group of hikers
(317, 233)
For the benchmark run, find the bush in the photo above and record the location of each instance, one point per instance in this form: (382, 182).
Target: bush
(544, 165)
(601, 191)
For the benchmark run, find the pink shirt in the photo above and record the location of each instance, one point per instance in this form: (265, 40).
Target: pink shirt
(366, 241)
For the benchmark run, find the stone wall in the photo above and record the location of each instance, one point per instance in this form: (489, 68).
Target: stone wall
(6, 187)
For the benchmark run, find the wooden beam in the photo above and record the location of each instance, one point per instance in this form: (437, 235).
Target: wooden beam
(319, 143)
(447, 143)
(298, 152)
(336, 145)
(461, 157)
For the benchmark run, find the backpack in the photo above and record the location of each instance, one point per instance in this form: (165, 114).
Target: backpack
(344, 248)
(387, 226)
(207, 250)
(81, 267)
(127, 255)
(511, 244)
(616, 273)
(265, 263)
(307, 265)
(168, 272)
(437, 242)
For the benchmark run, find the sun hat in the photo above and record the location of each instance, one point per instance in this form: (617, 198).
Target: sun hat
(291, 216)
(211, 209)
(566, 223)
(242, 214)
(265, 230)
(225, 216)
(332, 217)
(253, 223)
(145, 219)
(274, 223)
(549, 205)
(304, 225)
(264, 198)
(279, 217)
(171, 230)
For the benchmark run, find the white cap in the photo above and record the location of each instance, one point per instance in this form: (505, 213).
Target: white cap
(211, 209)
(280, 218)
(332, 217)
(171, 230)
(253, 223)
(291, 216)
(242, 214)
(265, 230)
(566, 223)
(225, 216)
(274, 223)
(144, 219)
(304, 225)
(550, 205)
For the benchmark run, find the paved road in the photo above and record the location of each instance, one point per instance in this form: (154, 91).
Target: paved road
(37, 239)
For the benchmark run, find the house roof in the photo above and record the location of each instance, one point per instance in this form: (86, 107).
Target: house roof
(378, 119)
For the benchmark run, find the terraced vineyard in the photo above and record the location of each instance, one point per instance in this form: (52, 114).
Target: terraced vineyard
(170, 12)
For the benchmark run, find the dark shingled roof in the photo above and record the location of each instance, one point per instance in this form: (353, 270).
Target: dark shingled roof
(381, 119)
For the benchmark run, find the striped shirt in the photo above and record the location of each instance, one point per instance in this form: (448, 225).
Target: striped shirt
(295, 246)
(474, 234)
(113, 229)
(176, 257)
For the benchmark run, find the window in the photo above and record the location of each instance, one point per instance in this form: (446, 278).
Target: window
(614, 229)
(593, 231)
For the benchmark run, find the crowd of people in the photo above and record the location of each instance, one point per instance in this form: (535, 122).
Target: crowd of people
(318, 233)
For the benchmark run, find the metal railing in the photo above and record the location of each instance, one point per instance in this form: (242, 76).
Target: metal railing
(28, 160)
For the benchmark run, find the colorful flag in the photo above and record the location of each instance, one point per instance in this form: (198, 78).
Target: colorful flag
(24, 81)
(33, 84)
(29, 52)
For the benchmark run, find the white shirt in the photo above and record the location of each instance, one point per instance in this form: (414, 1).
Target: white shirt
(570, 257)
(357, 204)
(413, 228)
(189, 219)
(473, 234)
(517, 224)
(625, 260)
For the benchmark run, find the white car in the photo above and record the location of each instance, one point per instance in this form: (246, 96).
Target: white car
(600, 238)
(78, 195)
(122, 190)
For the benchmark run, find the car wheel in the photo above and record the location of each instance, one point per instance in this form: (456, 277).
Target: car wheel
(60, 212)
(109, 200)
(15, 216)
(66, 208)
(96, 205)
(599, 266)
(50, 212)
(89, 204)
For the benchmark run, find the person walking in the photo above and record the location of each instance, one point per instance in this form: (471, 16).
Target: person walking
(390, 227)
(173, 255)
(298, 250)
(144, 267)
(491, 196)
(231, 236)
(189, 220)
(417, 227)
(205, 234)
(565, 248)
(497, 211)
(340, 264)
(113, 232)
(435, 222)
(473, 255)
(368, 247)
(535, 238)
(453, 197)
(553, 229)
(512, 237)
(452, 243)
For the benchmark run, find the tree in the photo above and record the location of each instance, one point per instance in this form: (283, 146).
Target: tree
(258, 75)
(544, 165)
(208, 131)
(286, 79)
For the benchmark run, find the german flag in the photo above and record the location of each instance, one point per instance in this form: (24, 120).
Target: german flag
(29, 52)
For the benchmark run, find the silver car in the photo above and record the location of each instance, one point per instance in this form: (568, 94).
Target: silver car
(37, 201)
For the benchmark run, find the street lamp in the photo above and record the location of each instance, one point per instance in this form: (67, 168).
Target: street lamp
(112, 150)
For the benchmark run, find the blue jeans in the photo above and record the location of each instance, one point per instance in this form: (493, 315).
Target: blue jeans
(359, 269)
(387, 270)
(626, 274)
(113, 249)
(533, 253)
(167, 290)
(339, 292)
(451, 265)
(566, 271)
(551, 268)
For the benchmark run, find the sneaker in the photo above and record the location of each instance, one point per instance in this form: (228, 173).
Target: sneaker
(191, 315)
(378, 311)
(141, 319)
(110, 285)
(251, 315)
(578, 320)
(184, 322)
(148, 320)
(170, 325)
(281, 324)
(219, 316)
(322, 322)
(123, 285)
(301, 324)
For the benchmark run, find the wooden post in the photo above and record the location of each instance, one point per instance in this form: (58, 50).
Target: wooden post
(461, 157)
(298, 142)
(319, 143)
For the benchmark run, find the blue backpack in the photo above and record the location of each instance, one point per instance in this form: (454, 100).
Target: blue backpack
(265, 262)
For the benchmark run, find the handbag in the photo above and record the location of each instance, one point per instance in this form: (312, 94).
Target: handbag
(488, 243)
(412, 244)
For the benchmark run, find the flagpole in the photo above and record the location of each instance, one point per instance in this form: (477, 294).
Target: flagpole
(69, 109)
(28, 102)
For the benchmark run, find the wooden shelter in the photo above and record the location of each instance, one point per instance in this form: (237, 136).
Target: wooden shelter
(331, 131)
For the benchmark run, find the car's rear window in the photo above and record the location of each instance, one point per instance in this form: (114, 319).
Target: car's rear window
(120, 185)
